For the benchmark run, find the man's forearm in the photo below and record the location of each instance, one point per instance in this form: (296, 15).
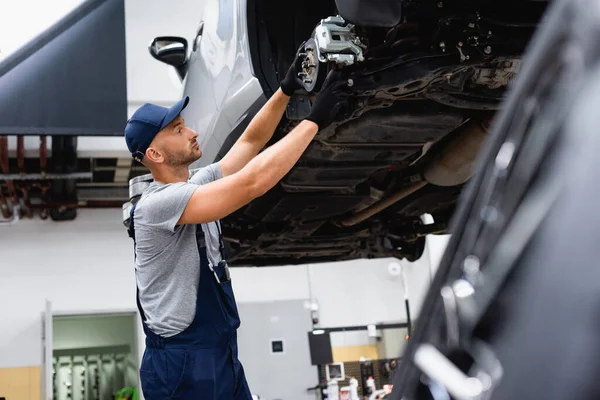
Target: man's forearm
(276, 161)
(257, 134)
(261, 128)
(255, 179)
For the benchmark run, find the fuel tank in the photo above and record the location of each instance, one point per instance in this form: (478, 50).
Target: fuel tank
(374, 13)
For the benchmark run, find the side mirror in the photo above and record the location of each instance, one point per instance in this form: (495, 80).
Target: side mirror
(172, 50)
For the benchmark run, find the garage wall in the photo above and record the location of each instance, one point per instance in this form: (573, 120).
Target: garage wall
(149, 80)
(80, 266)
(14, 33)
(85, 265)
(339, 289)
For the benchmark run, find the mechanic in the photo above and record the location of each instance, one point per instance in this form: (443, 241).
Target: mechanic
(184, 294)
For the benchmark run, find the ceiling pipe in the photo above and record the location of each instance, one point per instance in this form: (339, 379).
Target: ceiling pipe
(43, 165)
(4, 208)
(21, 154)
(4, 202)
(14, 219)
(4, 166)
(43, 154)
(81, 204)
(64, 162)
(23, 187)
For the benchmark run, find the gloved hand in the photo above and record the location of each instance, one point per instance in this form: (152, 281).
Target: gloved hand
(330, 99)
(292, 82)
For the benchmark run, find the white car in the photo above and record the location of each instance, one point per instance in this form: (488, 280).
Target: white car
(427, 77)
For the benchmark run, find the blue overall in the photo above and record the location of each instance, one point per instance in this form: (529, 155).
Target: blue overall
(200, 362)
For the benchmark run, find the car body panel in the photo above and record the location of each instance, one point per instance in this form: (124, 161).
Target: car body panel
(220, 81)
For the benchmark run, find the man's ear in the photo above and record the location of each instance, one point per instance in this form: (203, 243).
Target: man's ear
(153, 155)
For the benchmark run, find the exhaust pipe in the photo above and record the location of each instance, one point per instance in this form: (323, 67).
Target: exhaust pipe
(452, 166)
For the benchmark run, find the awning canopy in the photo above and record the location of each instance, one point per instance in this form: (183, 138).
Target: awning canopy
(71, 79)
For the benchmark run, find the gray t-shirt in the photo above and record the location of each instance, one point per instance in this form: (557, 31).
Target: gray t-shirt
(167, 263)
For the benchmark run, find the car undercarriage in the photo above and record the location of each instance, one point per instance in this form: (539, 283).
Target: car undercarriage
(424, 90)
(426, 79)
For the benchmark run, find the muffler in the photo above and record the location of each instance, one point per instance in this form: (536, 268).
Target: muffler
(452, 166)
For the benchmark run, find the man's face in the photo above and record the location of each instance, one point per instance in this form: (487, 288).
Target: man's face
(178, 144)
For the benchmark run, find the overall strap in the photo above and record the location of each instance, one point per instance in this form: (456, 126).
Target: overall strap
(131, 228)
(200, 236)
(131, 233)
(221, 243)
(223, 261)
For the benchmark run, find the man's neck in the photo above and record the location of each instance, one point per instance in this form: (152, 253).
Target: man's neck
(181, 174)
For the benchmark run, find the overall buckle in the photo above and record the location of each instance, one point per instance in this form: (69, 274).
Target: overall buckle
(225, 266)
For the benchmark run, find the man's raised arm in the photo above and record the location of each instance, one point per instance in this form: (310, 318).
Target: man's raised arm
(220, 198)
(261, 128)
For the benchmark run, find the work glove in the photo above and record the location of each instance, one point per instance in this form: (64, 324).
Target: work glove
(332, 96)
(292, 82)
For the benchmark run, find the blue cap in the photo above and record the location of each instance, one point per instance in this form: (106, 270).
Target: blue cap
(146, 122)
